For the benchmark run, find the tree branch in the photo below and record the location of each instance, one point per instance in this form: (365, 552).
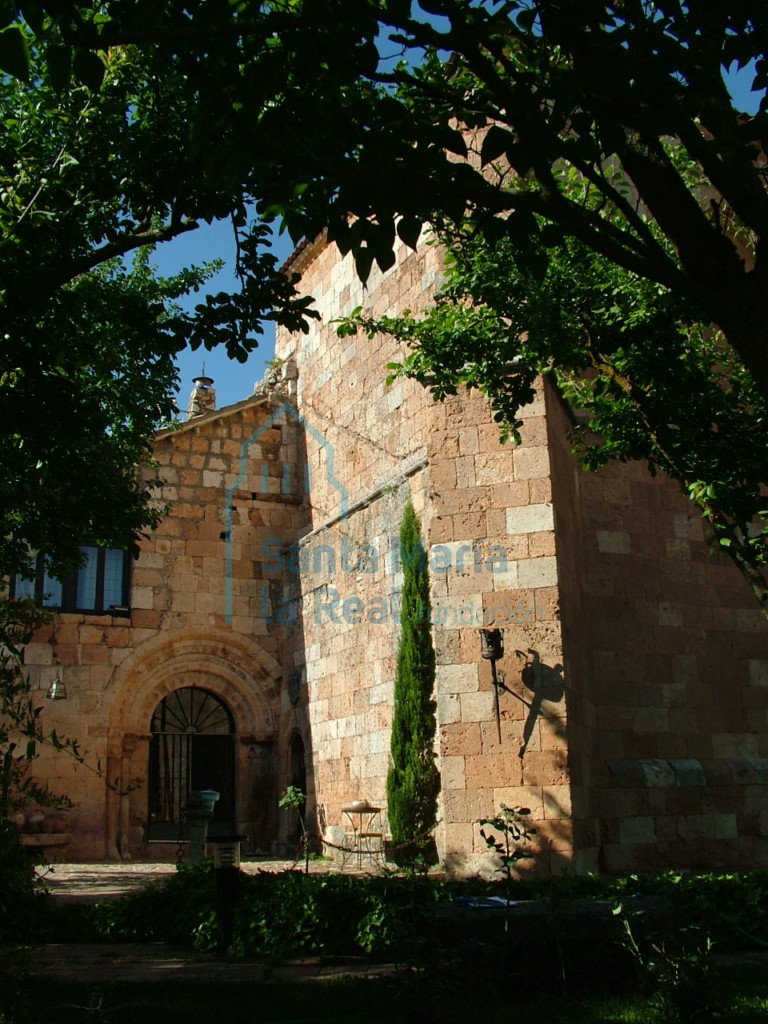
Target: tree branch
(120, 246)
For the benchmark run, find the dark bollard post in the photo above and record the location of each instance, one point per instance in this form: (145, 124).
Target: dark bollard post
(197, 812)
(226, 863)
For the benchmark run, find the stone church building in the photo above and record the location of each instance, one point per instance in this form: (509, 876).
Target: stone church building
(253, 643)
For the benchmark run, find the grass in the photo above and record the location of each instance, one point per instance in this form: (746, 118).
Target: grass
(404, 998)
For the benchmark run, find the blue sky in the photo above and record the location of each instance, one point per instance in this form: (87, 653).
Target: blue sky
(234, 381)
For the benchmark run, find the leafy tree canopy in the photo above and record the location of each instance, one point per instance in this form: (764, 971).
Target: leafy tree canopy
(524, 121)
(627, 99)
(90, 180)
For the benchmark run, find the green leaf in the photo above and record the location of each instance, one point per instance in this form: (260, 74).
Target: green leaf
(496, 142)
(385, 259)
(363, 263)
(59, 65)
(409, 230)
(14, 55)
(88, 69)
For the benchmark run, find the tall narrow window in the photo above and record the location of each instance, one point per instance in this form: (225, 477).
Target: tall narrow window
(42, 586)
(114, 578)
(86, 579)
(23, 588)
(52, 590)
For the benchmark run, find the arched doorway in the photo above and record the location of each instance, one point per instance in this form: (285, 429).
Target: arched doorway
(191, 747)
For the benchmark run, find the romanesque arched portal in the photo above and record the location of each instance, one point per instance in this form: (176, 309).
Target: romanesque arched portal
(192, 711)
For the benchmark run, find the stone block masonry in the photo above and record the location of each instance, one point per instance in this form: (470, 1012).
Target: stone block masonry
(610, 652)
(195, 621)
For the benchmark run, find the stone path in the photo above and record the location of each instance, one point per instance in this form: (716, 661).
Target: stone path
(104, 964)
(87, 883)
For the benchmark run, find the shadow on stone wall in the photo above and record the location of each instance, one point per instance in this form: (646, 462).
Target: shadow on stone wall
(547, 684)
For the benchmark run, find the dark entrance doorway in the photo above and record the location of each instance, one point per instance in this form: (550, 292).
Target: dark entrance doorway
(298, 769)
(298, 763)
(192, 747)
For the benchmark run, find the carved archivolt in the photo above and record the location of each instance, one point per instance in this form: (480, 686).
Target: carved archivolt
(229, 665)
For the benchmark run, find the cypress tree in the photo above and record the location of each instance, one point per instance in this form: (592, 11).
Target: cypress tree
(413, 781)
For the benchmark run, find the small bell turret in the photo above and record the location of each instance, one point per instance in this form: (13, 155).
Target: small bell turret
(203, 397)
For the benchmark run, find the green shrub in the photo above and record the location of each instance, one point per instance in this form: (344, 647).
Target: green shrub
(24, 914)
(293, 914)
(558, 948)
(286, 914)
(413, 781)
(170, 911)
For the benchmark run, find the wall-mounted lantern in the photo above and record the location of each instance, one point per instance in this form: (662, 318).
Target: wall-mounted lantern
(492, 644)
(492, 649)
(57, 690)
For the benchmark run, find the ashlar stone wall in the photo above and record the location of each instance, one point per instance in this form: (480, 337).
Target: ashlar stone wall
(197, 618)
(365, 451)
(488, 524)
(668, 738)
(633, 719)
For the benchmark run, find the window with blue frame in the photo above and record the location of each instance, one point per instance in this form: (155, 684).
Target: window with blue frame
(100, 586)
